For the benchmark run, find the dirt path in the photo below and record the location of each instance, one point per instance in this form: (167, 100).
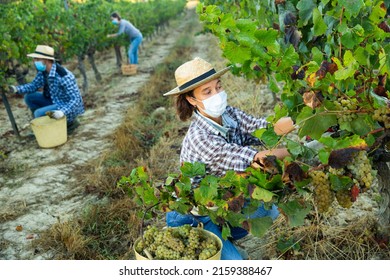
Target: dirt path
(39, 188)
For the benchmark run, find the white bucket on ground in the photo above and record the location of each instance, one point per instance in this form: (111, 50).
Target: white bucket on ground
(49, 132)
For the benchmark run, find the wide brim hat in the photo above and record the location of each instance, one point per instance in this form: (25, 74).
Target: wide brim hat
(42, 51)
(194, 73)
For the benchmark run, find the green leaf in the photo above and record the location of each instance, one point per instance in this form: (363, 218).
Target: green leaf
(323, 156)
(362, 56)
(259, 226)
(379, 101)
(193, 169)
(337, 143)
(317, 57)
(270, 138)
(295, 148)
(349, 69)
(207, 191)
(314, 125)
(361, 125)
(352, 7)
(340, 182)
(284, 245)
(295, 212)
(231, 178)
(258, 133)
(319, 25)
(237, 54)
(181, 206)
(146, 193)
(305, 8)
(262, 194)
(290, 58)
(183, 188)
(226, 232)
(266, 37)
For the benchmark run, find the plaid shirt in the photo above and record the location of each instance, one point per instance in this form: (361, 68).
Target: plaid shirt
(64, 91)
(207, 144)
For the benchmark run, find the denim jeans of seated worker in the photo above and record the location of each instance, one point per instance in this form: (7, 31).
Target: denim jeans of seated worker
(39, 104)
(229, 251)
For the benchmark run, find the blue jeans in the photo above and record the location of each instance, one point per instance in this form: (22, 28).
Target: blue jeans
(133, 49)
(229, 251)
(39, 104)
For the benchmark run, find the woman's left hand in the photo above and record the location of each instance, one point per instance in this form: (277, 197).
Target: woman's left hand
(284, 125)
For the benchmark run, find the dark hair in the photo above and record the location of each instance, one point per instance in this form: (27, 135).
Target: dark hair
(184, 108)
(116, 15)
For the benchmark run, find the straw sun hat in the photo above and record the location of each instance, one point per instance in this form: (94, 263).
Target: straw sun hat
(194, 73)
(42, 51)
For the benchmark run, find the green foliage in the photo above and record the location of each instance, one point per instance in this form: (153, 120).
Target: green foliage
(229, 200)
(293, 45)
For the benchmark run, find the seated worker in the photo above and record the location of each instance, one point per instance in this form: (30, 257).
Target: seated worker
(219, 136)
(61, 95)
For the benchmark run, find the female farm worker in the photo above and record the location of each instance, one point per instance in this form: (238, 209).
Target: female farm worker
(219, 136)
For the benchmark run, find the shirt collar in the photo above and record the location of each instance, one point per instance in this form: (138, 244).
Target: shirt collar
(227, 123)
(53, 69)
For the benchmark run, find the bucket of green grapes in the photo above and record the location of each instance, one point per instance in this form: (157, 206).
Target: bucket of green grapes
(177, 243)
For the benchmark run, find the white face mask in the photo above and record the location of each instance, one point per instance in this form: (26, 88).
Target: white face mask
(215, 105)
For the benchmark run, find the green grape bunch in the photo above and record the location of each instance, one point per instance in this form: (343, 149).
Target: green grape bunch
(382, 115)
(362, 171)
(347, 108)
(323, 195)
(177, 243)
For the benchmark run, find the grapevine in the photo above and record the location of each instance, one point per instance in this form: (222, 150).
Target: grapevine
(178, 243)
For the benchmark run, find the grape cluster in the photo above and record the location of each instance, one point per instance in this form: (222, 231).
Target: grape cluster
(361, 169)
(323, 195)
(348, 107)
(343, 197)
(177, 243)
(382, 115)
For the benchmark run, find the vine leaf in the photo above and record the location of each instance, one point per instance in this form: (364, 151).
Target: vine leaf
(352, 7)
(314, 125)
(237, 54)
(305, 8)
(339, 183)
(341, 158)
(313, 99)
(193, 169)
(319, 24)
(259, 226)
(349, 69)
(236, 203)
(207, 190)
(293, 173)
(295, 212)
(262, 194)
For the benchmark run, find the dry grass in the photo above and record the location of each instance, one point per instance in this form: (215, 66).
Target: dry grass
(318, 240)
(105, 231)
(12, 211)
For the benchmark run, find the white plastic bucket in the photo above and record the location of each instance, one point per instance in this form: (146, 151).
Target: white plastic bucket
(49, 132)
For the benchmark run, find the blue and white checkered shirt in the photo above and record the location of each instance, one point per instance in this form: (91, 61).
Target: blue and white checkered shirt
(64, 91)
(222, 148)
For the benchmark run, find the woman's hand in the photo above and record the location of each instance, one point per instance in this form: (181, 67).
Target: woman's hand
(280, 153)
(283, 126)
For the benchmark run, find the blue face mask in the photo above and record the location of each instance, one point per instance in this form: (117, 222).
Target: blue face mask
(40, 66)
(114, 21)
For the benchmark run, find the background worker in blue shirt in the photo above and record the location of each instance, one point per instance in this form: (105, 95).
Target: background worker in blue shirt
(134, 35)
(60, 96)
